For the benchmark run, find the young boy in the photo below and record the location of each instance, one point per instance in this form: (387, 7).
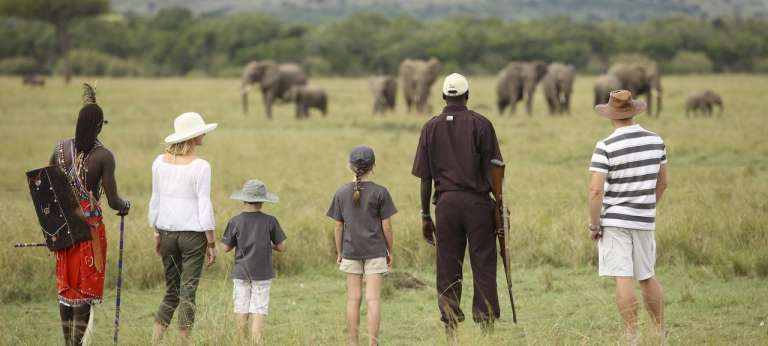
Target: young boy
(253, 235)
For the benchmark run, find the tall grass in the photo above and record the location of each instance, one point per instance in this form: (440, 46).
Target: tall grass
(714, 214)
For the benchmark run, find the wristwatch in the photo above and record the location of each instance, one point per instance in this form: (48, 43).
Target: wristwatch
(594, 228)
(212, 245)
(425, 216)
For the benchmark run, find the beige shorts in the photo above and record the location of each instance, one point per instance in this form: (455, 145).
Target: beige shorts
(251, 297)
(368, 266)
(627, 252)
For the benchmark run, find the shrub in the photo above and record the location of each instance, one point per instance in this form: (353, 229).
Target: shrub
(93, 63)
(760, 65)
(595, 65)
(686, 62)
(630, 58)
(18, 66)
(317, 66)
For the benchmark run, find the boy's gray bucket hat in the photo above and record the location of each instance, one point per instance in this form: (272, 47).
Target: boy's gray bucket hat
(253, 191)
(362, 156)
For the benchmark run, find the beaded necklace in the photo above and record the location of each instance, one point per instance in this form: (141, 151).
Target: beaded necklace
(77, 174)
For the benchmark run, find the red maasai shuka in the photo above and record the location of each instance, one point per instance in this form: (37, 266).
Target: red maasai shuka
(80, 268)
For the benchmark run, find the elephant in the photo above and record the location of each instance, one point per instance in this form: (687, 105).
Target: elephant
(604, 84)
(306, 97)
(384, 89)
(640, 79)
(703, 101)
(417, 78)
(558, 86)
(517, 81)
(274, 79)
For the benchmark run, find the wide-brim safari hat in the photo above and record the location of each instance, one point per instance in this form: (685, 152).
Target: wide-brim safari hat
(620, 106)
(187, 126)
(254, 191)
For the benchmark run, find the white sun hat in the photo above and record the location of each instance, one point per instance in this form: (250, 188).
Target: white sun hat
(187, 126)
(455, 85)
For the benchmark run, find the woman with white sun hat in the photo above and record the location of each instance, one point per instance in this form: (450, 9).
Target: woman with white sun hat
(181, 213)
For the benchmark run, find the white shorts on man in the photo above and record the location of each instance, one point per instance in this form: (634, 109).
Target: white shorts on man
(627, 252)
(251, 297)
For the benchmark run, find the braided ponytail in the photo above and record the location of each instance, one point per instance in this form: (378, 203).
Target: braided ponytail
(359, 172)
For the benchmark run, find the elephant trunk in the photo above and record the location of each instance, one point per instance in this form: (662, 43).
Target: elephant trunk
(658, 103)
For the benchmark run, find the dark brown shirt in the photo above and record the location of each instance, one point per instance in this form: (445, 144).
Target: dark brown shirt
(455, 150)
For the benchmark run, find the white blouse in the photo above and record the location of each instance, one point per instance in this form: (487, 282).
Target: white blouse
(181, 196)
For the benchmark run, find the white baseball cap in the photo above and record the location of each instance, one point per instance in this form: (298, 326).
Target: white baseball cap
(455, 85)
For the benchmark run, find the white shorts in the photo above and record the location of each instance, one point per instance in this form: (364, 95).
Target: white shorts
(251, 297)
(376, 265)
(627, 252)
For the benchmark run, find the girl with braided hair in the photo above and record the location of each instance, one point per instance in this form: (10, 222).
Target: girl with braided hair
(362, 210)
(90, 169)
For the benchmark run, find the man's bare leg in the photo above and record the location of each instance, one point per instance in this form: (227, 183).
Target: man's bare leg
(257, 327)
(627, 304)
(373, 283)
(354, 294)
(653, 295)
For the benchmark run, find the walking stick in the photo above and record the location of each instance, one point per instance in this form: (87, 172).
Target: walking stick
(119, 279)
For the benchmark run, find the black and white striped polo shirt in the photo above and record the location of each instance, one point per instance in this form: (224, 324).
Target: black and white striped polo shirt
(631, 157)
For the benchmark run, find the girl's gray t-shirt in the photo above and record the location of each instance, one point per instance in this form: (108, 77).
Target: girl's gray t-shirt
(252, 235)
(363, 235)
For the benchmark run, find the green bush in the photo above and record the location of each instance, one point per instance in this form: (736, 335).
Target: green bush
(595, 65)
(18, 66)
(760, 65)
(686, 62)
(93, 63)
(630, 58)
(317, 66)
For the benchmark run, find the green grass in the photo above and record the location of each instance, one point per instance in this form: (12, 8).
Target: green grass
(555, 306)
(711, 229)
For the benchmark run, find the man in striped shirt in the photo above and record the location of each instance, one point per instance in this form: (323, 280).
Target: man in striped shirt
(629, 176)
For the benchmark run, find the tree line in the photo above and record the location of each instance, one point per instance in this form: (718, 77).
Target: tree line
(175, 42)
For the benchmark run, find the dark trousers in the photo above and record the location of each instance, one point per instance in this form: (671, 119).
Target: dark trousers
(463, 217)
(183, 256)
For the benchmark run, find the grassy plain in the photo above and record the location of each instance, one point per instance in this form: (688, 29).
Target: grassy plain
(712, 228)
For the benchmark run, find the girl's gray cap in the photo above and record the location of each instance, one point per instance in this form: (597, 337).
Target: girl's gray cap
(362, 156)
(254, 191)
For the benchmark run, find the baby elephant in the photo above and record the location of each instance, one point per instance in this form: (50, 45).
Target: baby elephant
(703, 101)
(307, 97)
(384, 89)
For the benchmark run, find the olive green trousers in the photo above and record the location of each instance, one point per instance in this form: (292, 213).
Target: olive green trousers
(183, 254)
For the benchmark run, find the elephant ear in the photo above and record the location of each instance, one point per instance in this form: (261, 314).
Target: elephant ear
(271, 75)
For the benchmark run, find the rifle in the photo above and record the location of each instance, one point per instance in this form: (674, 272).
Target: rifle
(501, 214)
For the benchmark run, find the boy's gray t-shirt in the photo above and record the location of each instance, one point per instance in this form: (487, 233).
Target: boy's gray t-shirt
(363, 235)
(252, 235)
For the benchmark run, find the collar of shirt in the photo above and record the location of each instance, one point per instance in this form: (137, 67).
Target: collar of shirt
(626, 129)
(454, 108)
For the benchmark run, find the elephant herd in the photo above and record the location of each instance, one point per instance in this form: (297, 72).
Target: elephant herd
(516, 82)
